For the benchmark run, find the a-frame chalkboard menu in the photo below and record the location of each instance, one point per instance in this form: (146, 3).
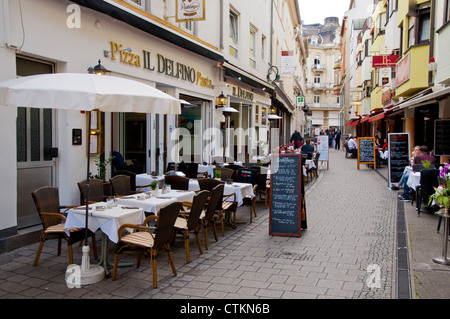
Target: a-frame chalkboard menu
(366, 151)
(286, 195)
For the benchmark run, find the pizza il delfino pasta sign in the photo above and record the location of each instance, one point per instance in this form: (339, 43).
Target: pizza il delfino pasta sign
(188, 10)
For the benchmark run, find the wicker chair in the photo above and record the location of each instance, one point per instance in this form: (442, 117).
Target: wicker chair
(208, 219)
(225, 205)
(96, 191)
(225, 173)
(143, 241)
(190, 221)
(121, 185)
(177, 182)
(132, 177)
(47, 204)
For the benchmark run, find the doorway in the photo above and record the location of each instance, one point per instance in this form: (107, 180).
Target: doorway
(34, 141)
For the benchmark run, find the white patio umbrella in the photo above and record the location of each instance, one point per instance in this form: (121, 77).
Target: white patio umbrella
(86, 92)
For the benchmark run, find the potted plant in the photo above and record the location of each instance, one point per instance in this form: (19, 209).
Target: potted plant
(442, 194)
(154, 186)
(101, 168)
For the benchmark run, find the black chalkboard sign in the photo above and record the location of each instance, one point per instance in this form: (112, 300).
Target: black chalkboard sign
(286, 195)
(366, 151)
(399, 155)
(442, 137)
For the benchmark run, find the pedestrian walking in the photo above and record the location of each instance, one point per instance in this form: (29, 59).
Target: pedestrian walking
(338, 139)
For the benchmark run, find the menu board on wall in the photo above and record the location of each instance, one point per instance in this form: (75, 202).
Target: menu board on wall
(366, 151)
(441, 137)
(286, 195)
(398, 155)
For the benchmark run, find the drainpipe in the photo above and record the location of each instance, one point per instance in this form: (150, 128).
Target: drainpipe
(271, 30)
(221, 24)
(432, 35)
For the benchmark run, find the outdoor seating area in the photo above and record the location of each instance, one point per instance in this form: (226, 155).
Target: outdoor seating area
(134, 218)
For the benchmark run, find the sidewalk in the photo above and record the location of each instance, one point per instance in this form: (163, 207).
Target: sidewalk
(347, 252)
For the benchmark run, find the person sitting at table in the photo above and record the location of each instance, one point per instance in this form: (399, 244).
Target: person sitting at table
(405, 175)
(423, 156)
(385, 145)
(353, 146)
(307, 149)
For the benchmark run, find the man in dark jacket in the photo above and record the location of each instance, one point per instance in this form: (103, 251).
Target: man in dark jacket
(297, 139)
(308, 149)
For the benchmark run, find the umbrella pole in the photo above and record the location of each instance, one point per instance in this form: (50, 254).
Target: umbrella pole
(77, 276)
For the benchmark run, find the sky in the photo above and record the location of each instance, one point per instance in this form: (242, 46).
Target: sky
(315, 11)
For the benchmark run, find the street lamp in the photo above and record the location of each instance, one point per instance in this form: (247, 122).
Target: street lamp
(271, 117)
(99, 69)
(222, 105)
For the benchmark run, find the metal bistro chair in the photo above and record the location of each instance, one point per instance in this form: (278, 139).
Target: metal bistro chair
(190, 220)
(144, 241)
(428, 180)
(47, 204)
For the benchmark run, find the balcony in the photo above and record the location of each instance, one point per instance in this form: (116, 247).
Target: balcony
(334, 106)
(319, 86)
(318, 67)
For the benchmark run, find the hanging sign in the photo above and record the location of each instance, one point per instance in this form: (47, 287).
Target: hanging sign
(190, 10)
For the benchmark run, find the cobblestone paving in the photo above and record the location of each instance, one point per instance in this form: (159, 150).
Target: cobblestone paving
(350, 215)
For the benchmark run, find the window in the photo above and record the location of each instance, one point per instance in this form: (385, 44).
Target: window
(411, 39)
(381, 23)
(263, 47)
(234, 34)
(139, 3)
(423, 30)
(317, 78)
(316, 99)
(252, 46)
(316, 60)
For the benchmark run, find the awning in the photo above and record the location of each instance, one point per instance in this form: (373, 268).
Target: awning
(247, 78)
(377, 117)
(146, 24)
(365, 119)
(355, 123)
(350, 122)
(427, 96)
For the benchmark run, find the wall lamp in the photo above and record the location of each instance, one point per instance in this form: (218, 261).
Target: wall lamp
(99, 69)
(271, 77)
(106, 52)
(221, 101)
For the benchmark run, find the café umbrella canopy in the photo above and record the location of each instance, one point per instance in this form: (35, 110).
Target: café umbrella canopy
(86, 92)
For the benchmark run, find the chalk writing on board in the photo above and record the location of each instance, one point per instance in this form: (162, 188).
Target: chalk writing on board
(286, 196)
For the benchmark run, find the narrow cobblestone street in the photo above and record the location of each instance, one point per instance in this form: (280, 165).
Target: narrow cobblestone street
(345, 236)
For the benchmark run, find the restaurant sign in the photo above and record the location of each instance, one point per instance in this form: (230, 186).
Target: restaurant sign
(163, 65)
(386, 97)
(402, 74)
(243, 94)
(190, 10)
(382, 61)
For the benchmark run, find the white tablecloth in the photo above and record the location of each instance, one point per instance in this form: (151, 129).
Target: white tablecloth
(413, 180)
(310, 164)
(205, 168)
(240, 189)
(108, 220)
(384, 155)
(155, 203)
(145, 179)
